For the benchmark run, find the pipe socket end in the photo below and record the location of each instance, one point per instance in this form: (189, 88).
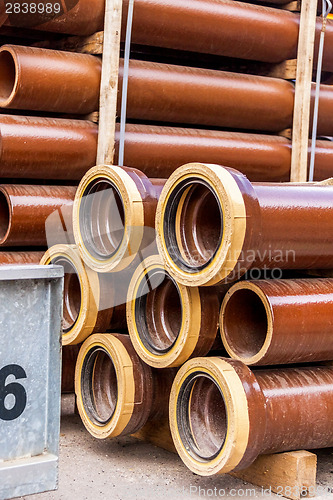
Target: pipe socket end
(108, 219)
(201, 224)
(209, 415)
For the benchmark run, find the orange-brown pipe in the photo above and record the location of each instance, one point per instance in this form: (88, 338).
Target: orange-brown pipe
(76, 17)
(223, 415)
(117, 393)
(227, 28)
(114, 216)
(158, 151)
(48, 80)
(178, 94)
(46, 148)
(20, 258)
(213, 225)
(268, 322)
(30, 215)
(69, 357)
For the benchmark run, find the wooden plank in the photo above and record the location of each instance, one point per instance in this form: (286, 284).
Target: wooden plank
(157, 433)
(286, 70)
(109, 82)
(301, 121)
(292, 475)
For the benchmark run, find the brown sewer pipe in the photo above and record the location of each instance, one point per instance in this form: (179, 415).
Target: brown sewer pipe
(20, 258)
(157, 151)
(223, 415)
(156, 92)
(225, 27)
(270, 322)
(169, 323)
(213, 225)
(74, 17)
(116, 392)
(114, 216)
(48, 80)
(69, 357)
(31, 215)
(91, 302)
(179, 94)
(48, 148)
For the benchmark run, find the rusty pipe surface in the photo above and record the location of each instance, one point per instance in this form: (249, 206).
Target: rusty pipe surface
(35, 215)
(48, 80)
(73, 17)
(158, 151)
(169, 323)
(92, 301)
(48, 148)
(179, 94)
(116, 392)
(114, 216)
(227, 28)
(223, 415)
(69, 357)
(213, 225)
(20, 258)
(270, 322)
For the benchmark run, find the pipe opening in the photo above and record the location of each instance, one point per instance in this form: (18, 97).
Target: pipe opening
(102, 219)
(72, 294)
(158, 311)
(245, 323)
(193, 225)
(202, 416)
(5, 216)
(99, 386)
(8, 74)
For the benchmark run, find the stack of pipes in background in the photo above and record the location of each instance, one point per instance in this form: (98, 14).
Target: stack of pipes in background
(213, 227)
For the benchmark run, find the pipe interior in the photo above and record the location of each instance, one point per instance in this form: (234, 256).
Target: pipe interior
(102, 219)
(72, 294)
(7, 74)
(245, 323)
(158, 311)
(99, 386)
(193, 225)
(4, 216)
(202, 417)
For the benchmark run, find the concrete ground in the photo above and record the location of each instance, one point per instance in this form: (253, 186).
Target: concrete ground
(126, 469)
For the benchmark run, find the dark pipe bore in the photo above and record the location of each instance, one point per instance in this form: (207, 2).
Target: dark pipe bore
(196, 207)
(99, 386)
(158, 311)
(245, 323)
(202, 416)
(8, 75)
(102, 219)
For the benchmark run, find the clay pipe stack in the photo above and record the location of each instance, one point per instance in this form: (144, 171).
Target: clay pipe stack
(92, 302)
(114, 217)
(117, 394)
(223, 415)
(226, 28)
(240, 225)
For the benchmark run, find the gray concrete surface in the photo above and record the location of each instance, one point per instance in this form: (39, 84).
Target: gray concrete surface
(126, 469)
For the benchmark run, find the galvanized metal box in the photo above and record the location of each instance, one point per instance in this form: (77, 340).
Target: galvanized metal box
(30, 378)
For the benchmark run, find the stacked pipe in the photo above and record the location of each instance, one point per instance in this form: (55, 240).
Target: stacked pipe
(160, 253)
